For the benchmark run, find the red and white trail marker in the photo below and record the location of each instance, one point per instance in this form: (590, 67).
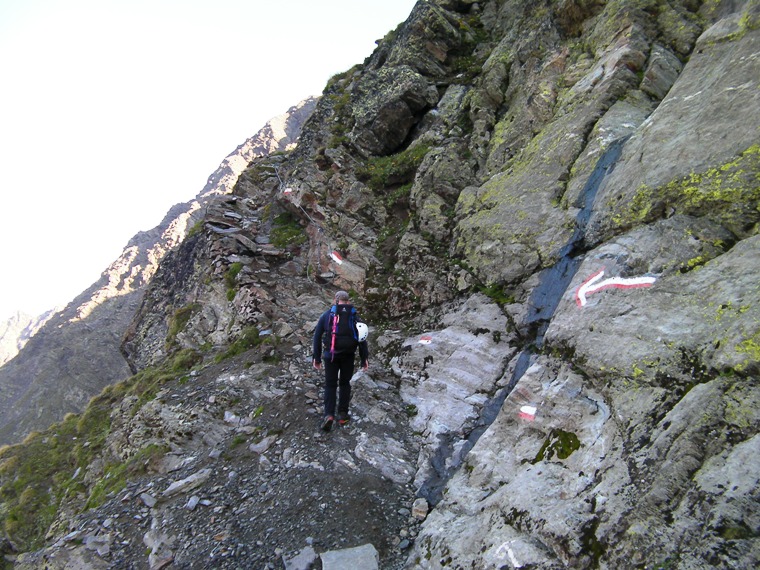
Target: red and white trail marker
(427, 339)
(528, 412)
(336, 257)
(595, 283)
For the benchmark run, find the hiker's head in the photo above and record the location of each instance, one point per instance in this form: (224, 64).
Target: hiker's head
(341, 298)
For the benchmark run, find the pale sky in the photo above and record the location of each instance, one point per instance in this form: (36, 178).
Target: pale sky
(111, 111)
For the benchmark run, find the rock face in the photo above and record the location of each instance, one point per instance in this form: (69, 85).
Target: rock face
(549, 216)
(77, 353)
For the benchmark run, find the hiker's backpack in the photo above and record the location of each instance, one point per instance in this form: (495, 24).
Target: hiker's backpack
(341, 330)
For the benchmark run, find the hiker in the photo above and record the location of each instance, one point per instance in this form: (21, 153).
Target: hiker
(343, 333)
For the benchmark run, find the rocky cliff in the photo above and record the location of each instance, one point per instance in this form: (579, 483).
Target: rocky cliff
(77, 352)
(549, 214)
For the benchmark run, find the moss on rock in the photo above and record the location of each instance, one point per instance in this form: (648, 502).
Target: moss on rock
(728, 194)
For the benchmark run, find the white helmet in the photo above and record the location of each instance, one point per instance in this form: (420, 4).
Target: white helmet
(363, 331)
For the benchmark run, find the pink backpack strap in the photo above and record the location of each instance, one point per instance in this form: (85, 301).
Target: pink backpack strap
(335, 318)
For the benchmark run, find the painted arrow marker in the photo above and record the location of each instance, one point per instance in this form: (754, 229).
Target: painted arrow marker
(595, 283)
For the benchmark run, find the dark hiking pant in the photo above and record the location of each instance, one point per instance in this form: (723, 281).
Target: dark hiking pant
(338, 372)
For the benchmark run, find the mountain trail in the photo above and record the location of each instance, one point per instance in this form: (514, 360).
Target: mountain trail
(254, 482)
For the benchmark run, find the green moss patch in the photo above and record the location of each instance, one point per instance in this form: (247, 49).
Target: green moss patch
(397, 169)
(560, 443)
(287, 231)
(749, 348)
(230, 279)
(185, 359)
(178, 322)
(497, 293)
(248, 339)
(115, 474)
(728, 194)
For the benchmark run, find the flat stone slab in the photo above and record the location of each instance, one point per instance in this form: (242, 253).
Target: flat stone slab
(364, 557)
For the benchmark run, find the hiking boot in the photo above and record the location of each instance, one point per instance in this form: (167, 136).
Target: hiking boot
(327, 424)
(343, 418)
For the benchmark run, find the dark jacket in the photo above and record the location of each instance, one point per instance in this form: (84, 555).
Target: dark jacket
(323, 352)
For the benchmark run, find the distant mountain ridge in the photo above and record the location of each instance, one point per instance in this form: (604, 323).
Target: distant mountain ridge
(17, 329)
(64, 358)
